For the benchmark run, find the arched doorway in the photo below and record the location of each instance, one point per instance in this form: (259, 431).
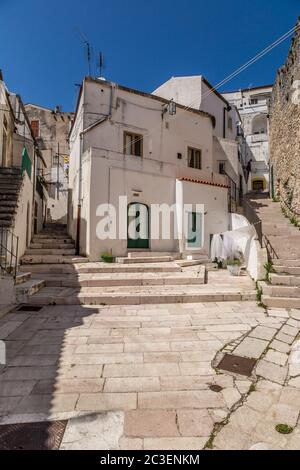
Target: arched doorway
(258, 184)
(138, 226)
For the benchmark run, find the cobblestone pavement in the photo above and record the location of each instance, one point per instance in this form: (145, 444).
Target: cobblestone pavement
(145, 376)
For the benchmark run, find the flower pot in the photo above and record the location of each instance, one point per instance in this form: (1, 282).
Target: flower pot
(234, 269)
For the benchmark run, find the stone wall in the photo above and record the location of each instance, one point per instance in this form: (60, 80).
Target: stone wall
(285, 130)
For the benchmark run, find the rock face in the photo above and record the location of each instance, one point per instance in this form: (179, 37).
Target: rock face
(285, 130)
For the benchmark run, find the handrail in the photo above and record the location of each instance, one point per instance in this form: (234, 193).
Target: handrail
(270, 249)
(9, 247)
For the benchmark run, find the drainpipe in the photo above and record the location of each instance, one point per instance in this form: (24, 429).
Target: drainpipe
(85, 131)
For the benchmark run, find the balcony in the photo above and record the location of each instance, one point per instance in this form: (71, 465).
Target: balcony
(256, 138)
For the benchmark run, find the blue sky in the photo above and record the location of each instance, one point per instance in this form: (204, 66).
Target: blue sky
(144, 42)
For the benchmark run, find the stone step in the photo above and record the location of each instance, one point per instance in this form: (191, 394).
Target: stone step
(51, 246)
(185, 263)
(148, 259)
(284, 280)
(10, 171)
(12, 191)
(286, 262)
(28, 289)
(9, 197)
(43, 237)
(47, 251)
(52, 259)
(279, 291)
(151, 254)
(130, 279)
(8, 203)
(94, 268)
(5, 223)
(140, 295)
(287, 269)
(281, 302)
(7, 209)
(22, 277)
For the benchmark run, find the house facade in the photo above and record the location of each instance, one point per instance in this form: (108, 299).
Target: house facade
(51, 128)
(151, 152)
(22, 193)
(197, 93)
(252, 105)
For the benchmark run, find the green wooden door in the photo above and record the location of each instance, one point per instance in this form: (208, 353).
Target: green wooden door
(138, 226)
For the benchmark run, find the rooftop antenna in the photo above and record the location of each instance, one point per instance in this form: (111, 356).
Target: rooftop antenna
(101, 63)
(87, 47)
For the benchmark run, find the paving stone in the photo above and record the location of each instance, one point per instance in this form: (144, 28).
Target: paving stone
(100, 431)
(194, 423)
(232, 438)
(106, 401)
(196, 368)
(271, 371)
(185, 382)
(278, 312)
(140, 370)
(147, 347)
(281, 413)
(180, 399)
(161, 357)
(290, 330)
(251, 347)
(175, 443)
(295, 382)
(80, 371)
(29, 373)
(284, 338)
(295, 314)
(263, 332)
(150, 423)
(16, 388)
(245, 419)
(8, 404)
(276, 357)
(290, 396)
(132, 384)
(231, 396)
(243, 386)
(126, 443)
(260, 401)
(280, 346)
(47, 403)
(68, 386)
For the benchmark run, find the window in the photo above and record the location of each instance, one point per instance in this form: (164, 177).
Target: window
(222, 168)
(35, 127)
(133, 144)
(194, 158)
(253, 101)
(230, 123)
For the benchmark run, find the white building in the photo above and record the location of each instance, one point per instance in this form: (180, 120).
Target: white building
(127, 143)
(196, 92)
(252, 104)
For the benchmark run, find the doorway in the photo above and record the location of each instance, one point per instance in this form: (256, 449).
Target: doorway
(138, 226)
(195, 230)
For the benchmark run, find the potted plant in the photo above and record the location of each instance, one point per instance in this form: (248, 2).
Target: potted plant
(234, 266)
(107, 257)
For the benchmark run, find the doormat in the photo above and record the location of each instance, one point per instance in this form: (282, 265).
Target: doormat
(46, 435)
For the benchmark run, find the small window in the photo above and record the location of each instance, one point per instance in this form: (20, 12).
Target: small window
(35, 127)
(133, 144)
(194, 158)
(253, 101)
(230, 123)
(222, 168)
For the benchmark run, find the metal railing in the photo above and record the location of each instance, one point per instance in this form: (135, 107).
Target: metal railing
(9, 247)
(270, 249)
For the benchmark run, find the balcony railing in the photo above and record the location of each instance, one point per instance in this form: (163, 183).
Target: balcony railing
(9, 247)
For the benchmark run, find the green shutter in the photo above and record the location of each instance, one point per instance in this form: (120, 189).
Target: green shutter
(26, 163)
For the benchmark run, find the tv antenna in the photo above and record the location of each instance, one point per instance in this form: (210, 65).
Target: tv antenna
(87, 49)
(100, 64)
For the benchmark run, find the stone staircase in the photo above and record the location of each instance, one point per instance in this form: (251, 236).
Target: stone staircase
(282, 290)
(52, 246)
(10, 185)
